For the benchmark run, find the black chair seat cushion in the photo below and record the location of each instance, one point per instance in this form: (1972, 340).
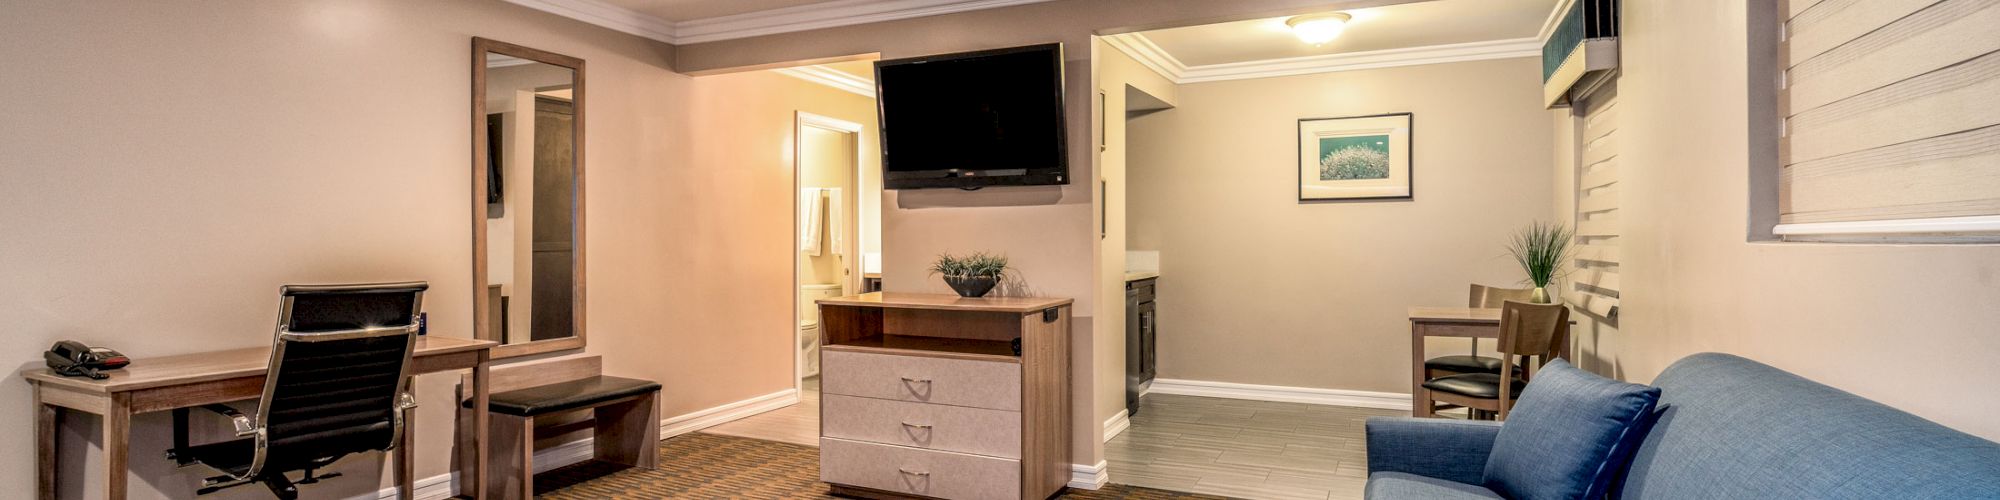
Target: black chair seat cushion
(1476, 385)
(580, 393)
(1467, 364)
(231, 457)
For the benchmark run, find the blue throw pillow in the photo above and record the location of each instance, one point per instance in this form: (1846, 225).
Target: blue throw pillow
(1568, 435)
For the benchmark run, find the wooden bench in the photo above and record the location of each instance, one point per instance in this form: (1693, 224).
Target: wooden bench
(625, 418)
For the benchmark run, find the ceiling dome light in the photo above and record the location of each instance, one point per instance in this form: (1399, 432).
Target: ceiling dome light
(1318, 28)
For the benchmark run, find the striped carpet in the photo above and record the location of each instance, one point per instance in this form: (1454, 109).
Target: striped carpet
(701, 465)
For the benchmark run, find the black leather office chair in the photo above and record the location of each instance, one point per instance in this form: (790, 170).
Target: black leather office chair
(335, 387)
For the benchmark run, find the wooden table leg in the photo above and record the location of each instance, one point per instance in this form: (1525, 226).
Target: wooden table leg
(406, 448)
(117, 445)
(481, 424)
(1420, 398)
(47, 419)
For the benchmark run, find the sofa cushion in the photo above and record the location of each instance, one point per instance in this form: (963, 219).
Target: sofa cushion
(1568, 435)
(1397, 485)
(1733, 428)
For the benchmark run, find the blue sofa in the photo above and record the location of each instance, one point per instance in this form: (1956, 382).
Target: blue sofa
(1728, 427)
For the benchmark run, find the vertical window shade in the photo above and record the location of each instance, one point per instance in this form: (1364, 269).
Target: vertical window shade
(1594, 284)
(1892, 114)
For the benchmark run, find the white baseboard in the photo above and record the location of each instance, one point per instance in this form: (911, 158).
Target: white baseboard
(1117, 424)
(438, 487)
(1089, 477)
(703, 419)
(441, 486)
(1335, 397)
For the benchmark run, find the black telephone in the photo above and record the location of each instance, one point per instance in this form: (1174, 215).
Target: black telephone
(73, 359)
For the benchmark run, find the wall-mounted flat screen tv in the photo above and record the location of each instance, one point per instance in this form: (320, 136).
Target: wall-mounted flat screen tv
(974, 119)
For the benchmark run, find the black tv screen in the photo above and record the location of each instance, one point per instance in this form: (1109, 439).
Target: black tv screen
(986, 118)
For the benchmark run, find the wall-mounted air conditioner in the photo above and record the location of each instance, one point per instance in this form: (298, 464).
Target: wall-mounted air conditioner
(1581, 52)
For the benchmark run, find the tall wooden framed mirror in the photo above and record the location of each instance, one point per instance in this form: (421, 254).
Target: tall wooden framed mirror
(527, 198)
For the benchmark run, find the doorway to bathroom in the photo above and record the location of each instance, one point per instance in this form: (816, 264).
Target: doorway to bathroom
(830, 253)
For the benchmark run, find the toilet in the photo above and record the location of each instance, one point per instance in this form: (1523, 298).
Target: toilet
(809, 323)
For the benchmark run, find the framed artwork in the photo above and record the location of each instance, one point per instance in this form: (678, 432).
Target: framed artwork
(1355, 158)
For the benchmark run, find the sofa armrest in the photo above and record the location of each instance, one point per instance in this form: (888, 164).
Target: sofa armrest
(1453, 450)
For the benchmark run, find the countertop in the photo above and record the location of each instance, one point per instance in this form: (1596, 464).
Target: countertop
(1131, 276)
(946, 302)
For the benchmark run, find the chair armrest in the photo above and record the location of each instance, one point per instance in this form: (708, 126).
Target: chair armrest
(245, 427)
(1453, 450)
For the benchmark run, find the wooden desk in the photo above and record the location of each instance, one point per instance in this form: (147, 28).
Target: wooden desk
(166, 383)
(1461, 322)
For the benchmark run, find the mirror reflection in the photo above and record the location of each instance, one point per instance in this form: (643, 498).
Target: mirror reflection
(531, 197)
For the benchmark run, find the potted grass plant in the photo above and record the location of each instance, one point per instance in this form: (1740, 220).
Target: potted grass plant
(1542, 249)
(972, 275)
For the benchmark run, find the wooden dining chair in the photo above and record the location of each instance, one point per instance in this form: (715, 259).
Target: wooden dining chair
(1538, 331)
(1479, 296)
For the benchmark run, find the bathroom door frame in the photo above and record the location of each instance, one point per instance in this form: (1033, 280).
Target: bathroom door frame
(850, 282)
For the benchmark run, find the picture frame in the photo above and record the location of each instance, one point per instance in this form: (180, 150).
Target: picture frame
(1355, 158)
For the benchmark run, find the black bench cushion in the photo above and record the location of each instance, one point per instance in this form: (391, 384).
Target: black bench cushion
(580, 393)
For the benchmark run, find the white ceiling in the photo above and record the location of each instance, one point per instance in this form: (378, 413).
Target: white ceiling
(1422, 24)
(683, 10)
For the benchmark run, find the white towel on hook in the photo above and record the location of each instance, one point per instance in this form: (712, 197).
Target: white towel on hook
(810, 216)
(835, 236)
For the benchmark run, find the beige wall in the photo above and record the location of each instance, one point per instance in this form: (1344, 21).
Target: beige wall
(1912, 326)
(170, 166)
(1257, 288)
(714, 257)
(1116, 72)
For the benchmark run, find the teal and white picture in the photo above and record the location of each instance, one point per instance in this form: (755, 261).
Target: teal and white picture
(1355, 158)
(1359, 157)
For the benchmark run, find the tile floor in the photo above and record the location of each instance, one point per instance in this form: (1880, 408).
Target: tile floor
(1246, 449)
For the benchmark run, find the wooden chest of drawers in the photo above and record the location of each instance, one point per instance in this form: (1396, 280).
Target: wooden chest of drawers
(926, 396)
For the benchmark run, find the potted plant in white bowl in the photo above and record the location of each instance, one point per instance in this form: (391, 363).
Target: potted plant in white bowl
(972, 275)
(1542, 249)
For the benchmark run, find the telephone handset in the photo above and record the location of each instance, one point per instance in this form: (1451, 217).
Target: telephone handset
(73, 359)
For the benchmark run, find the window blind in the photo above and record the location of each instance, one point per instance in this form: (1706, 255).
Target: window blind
(1892, 116)
(1594, 284)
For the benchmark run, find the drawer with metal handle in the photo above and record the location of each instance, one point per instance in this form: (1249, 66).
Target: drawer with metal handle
(979, 431)
(930, 473)
(958, 382)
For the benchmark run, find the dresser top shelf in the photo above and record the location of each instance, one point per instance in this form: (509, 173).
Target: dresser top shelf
(972, 349)
(942, 302)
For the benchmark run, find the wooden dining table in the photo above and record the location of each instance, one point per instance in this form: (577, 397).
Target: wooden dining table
(1450, 322)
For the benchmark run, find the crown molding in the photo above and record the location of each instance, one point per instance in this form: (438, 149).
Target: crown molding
(1142, 49)
(606, 15)
(768, 22)
(1152, 56)
(1555, 18)
(824, 15)
(832, 78)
